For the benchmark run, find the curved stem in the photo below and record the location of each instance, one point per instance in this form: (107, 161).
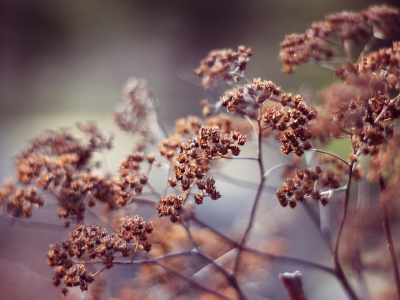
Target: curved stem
(256, 200)
(273, 257)
(331, 154)
(386, 226)
(316, 222)
(338, 267)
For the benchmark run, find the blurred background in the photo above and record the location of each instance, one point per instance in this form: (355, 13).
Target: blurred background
(66, 61)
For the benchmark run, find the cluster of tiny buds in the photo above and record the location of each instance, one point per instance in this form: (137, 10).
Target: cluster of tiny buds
(223, 65)
(19, 202)
(304, 183)
(213, 143)
(291, 123)
(191, 167)
(382, 64)
(171, 205)
(137, 111)
(132, 179)
(350, 27)
(246, 100)
(92, 242)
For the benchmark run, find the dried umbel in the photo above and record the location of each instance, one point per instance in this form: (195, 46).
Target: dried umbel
(19, 202)
(247, 100)
(380, 68)
(137, 114)
(191, 167)
(314, 45)
(91, 243)
(306, 183)
(132, 179)
(223, 65)
(60, 163)
(292, 123)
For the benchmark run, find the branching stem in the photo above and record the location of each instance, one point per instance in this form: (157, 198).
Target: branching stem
(386, 226)
(338, 267)
(257, 197)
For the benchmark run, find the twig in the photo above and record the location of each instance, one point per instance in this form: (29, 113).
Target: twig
(316, 222)
(331, 154)
(270, 256)
(386, 226)
(256, 200)
(194, 283)
(293, 285)
(338, 268)
(30, 223)
(229, 276)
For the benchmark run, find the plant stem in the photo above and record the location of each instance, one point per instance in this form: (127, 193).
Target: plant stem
(338, 268)
(271, 256)
(331, 154)
(386, 226)
(257, 197)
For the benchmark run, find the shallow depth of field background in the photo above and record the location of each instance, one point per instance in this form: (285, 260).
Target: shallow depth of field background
(66, 61)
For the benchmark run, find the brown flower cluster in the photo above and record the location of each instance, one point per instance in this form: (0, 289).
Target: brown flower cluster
(191, 167)
(132, 179)
(226, 124)
(223, 65)
(247, 100)
(61, 163)
(349, 27)
(386, 161)
(367, 116)
(377, 68)
(19, 202)
(385, 20)
(137, 113)
(292, 120)
(306, 183)
(92, 243)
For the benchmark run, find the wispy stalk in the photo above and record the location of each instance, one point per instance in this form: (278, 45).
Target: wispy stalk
(386, 226)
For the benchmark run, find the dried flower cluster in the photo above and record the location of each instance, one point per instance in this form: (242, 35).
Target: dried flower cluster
(134, 114)
(60, 163)
(360, 112)
(350, 27)
(292, 123)
(377, 68)
(306, 183)
(19, 202)
(88, 243)
(132, 179)
(191, 166)
(223, 65)
(246, 100)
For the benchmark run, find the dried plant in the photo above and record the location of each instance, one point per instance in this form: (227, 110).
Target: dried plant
(183, 257)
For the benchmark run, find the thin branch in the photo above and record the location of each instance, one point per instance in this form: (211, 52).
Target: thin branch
(293, 285)
(338, 268)
(391, 102)
(316, 222)
(267, 174)
(194, 283)
(30, 223)
(256, 200)
(386, 226)
(368, 46)
(273, 257)
(322, 65)
(235, 157)
(331, 154)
